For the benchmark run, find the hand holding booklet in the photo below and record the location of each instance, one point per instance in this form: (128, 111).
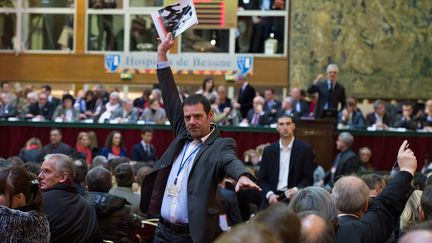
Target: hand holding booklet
(175, 18)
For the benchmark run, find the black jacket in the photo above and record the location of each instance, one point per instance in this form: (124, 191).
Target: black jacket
(116, 220)
(376, 225)
(71, 217)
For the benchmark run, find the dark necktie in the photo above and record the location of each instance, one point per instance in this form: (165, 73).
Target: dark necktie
(330, 95)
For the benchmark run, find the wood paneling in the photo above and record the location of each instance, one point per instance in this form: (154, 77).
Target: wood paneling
(82, 68)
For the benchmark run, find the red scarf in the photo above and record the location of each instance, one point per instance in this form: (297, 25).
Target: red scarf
(87, 152)
(116, 150)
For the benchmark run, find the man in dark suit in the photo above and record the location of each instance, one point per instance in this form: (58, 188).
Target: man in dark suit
(300, 105)
(379, 118)
(330, 93)
(257, 116)
(346, 162)
(6, 108)
(287, 109)
(144, 151)
(406, 120)
(358, 222)
(56, 146)
(271, 105)
(286, 165)
(53, 100)
(182, 186)
(42, 109)
(246, 95)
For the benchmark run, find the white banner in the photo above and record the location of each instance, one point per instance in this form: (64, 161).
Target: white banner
(185, 61)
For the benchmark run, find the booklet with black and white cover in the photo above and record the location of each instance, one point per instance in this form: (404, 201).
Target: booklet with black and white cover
(175, 18)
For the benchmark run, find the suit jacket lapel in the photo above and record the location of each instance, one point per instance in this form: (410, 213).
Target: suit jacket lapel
(293, 157)
(275, 164)
(205, 146)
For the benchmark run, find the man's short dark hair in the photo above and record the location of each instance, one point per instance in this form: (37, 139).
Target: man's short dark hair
(99, 180)
(277, 217)
(426, 202)
(46, 87)
(198, 99)
(56, 129)
(287, 116)
(3, 83)
(372, 180)
(147, 130)
(81, 170)
(124, 175)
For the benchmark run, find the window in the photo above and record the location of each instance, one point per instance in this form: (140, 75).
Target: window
(126, 25)
(37, 25)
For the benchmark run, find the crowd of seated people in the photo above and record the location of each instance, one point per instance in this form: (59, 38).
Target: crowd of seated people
(105, 187)
(248, 108)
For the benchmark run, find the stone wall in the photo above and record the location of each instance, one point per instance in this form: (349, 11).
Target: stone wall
(383, 47)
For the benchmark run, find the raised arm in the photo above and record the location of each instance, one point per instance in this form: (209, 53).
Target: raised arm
(170, 94)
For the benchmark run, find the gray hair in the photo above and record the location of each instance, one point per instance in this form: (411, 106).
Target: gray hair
(332, 66)
(347, 138)
(115, 95)
(315, 199)
(99, 179)
(100, 159)
(239, 76)
(364, 149)
(351, 194)
(377, 103)
(288, 99)
(63, 163)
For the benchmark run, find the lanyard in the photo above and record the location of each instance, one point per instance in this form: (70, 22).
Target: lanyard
(183, 161)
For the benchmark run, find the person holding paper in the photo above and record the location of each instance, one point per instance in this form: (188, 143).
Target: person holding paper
(181, 189)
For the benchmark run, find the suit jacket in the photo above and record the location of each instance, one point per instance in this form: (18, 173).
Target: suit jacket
(245, 99)
(401, 122)
(377, 223)
(337, 96)
(46, 111)
(215, 159)
(8, 111)
(139, 154)
(132, 116)
(275, 106)
(61, 148)
(357, 120)
(304, 108)
(371, 119)
(300, 168)
(282, 112)
(60, 111)
(348, 163)
(262, 120)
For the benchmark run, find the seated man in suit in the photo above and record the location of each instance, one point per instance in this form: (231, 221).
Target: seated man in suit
(56, 146)
(346, 162)
(42, 110)
(379, 118)
(301, 106)
(128, 114)
(287, 109)
(7, 109)
(286, 165)
(271, 105)
(359, 222)
(144, 151)
(257, 116)
(406, 120)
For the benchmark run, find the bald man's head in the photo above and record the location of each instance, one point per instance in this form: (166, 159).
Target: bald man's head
(418, 236)
(351, 195)
(314, 229)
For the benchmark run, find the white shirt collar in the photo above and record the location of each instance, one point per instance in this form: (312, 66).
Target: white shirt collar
(289, 147)
(203, 139)
(244, 85)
